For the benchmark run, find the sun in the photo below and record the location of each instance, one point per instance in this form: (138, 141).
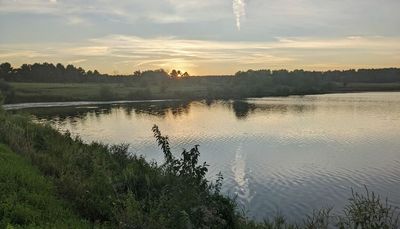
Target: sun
(181, 67)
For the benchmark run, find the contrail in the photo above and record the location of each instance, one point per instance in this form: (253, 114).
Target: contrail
(239, 11)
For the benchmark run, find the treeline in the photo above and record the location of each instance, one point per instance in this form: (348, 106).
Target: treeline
(383, 75)
(76, 84)
(50, 73)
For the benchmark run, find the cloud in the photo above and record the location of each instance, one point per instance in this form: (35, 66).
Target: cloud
(206, 19)
(239, 11)
(77, 20)
(77, 61)
(165, 18)
(127, 53)
(12, 54)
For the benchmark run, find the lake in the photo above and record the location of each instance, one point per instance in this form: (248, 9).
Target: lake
(284, 154)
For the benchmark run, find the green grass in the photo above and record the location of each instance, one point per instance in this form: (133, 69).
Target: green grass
(37, 92)
(27, 199)
(46, 92)
(109, 187)
(177, 89)
(50, 180)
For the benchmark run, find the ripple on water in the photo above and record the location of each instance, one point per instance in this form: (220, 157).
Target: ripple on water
(290, 155)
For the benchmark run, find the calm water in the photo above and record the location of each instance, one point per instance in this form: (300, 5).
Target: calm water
(287, 155)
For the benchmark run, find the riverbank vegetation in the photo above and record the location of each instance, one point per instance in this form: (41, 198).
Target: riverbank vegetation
(47, 83)
(105, 186)
(28, 199)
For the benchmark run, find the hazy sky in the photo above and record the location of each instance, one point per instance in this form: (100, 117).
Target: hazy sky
(202, 36)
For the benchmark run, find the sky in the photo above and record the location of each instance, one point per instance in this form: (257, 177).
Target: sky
(201, 36)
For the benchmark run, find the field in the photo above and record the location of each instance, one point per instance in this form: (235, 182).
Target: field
(47, 92)
(52, 92)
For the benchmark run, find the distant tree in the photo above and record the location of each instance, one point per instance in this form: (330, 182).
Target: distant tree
(174, 73)
(60, 67)
(250, 82)
(25, 68)
(137, 73)
(178, 73)
(5, 68)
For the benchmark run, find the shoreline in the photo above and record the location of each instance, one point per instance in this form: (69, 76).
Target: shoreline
(50, 104)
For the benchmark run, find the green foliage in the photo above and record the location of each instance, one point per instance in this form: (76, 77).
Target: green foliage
(28, 200)
(368, 212)
(106, 186)
(46, 82)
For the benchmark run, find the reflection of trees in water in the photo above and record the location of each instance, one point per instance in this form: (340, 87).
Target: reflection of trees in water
(61, 114)
(64, 113)
(244, 109)
(241, 108)
(161, 109)
(286, 108)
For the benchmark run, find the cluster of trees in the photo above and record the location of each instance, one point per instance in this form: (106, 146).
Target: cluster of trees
(159, 84)
(47, 72)
(383, 75)
(50, 73)
(177, 74)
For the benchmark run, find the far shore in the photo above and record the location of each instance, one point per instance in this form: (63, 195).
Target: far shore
(64, 102)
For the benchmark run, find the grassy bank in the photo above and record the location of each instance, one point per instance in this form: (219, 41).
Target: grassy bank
(178, 89)
(104, 186)
(28, 199)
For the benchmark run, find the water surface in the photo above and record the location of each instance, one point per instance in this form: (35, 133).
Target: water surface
(289, 155)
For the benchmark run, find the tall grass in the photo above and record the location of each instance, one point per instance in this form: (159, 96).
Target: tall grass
(109, 187)
(28, 200)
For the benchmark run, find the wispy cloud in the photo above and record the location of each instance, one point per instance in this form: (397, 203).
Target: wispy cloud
(128, 53)
(239, 11)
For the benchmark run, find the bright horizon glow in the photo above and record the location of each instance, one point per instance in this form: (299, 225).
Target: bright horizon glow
(202, 38)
